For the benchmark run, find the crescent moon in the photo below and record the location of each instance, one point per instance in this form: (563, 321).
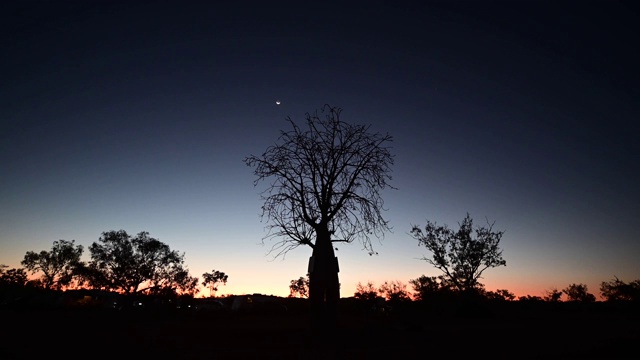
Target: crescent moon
(277, 102)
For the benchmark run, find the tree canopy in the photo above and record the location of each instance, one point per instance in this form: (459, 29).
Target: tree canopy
(299, 287)
(461, 256)
(578, 292)
(139, 264)
(12, 277)
(618, 290)
(58, 266)
(212, 279)
(429, 286)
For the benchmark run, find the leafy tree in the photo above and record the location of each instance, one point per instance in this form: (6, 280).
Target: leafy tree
(460, 256)
(429, 286)
(299, 287)
(324, 186)
(500, 294)
(13, 284)
(578, 292)
(212, 280)
(366, 292)
(394, 291)
(12, 277)
(618, 290)
(375, 299)
(140, 264)
(530, 298)
(553, 295)
(58, 266)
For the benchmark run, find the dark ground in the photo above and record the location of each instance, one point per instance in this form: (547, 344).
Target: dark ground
(509, 333)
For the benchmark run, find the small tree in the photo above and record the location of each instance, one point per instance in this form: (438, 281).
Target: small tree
(531, 298)
(429, 286)
(366, 292)
(212, 280)
(618, 290)
(58, 266)
(299, 287)
(460, 256)
(578, 292)
(500, 294)
(12, 277)
(553, 295)
(394, 291)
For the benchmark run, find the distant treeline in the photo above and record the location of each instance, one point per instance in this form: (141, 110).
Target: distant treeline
(143, 267)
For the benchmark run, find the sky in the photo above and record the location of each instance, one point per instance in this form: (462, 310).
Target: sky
(137, 115)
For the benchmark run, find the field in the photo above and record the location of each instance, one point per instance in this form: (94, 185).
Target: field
(502, 333)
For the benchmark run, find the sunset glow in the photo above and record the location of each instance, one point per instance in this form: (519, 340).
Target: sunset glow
(118, 115)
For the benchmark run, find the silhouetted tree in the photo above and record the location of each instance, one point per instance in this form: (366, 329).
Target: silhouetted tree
(394, 291)
(140, 264)
(58, 266)
(500, 294)
(618, 290)
(425, 287)
(325, 182)
(212, 280)
(13, 284)
(578, 292)
(366, 292)
(12, 277)
(553, 295)
(299, 287)
(530, 298)
(461, 257)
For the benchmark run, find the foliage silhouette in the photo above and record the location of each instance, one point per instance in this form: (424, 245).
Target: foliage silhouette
(58, 266)
(500, 294)
(13, 284)
(425, 287)
(212, 279)
(461, 257)
(139, 264)
(324, 186)
(394, 291)
(367, 291)
(553, 295)
(299, 287)
(12, 277)
(578, 292)
(618, 290)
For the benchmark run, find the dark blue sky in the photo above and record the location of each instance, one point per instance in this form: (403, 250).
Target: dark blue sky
(137, 115)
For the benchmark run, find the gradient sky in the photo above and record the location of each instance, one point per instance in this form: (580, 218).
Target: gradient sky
(137, 115)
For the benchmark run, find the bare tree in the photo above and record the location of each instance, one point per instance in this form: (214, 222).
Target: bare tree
(324, 186)
(461, 256)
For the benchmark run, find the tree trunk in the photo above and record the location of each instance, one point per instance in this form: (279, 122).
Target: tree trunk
(324, 285)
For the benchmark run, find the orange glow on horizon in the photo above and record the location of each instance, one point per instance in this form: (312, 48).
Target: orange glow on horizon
(346, 291)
